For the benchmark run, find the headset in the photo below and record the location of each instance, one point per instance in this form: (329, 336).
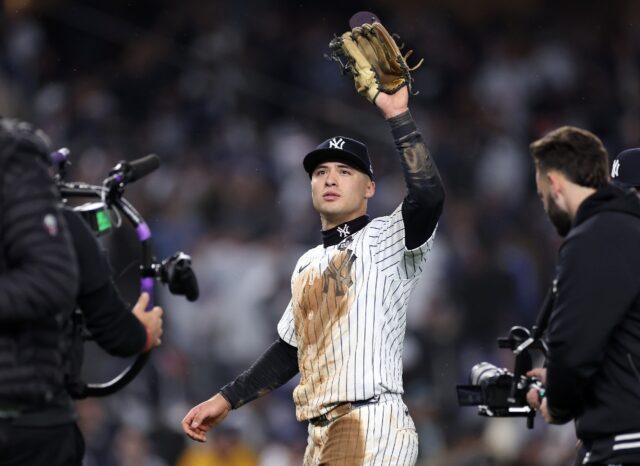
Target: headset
(108, 203)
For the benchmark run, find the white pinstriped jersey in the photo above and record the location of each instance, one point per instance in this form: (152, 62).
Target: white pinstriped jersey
(347, 315)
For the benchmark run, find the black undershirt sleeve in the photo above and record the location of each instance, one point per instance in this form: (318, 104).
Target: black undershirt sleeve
(423, 203)
(277, 365)
(111, 323)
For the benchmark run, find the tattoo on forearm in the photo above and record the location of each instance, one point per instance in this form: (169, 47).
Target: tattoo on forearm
(415, 157)
(419, 165)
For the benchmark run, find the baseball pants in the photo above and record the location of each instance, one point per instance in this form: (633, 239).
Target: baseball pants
(375, 434)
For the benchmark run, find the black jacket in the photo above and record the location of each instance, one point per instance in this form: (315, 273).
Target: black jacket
(594, 329)
(38, 275)
(101, 310)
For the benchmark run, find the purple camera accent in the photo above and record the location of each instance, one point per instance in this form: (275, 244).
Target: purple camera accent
(143, 232)
(59, 155)
(146, 284)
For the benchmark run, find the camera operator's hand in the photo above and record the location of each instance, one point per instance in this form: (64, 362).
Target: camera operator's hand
(534, 396)
(539, 373)
(152, 320)
(544, 410)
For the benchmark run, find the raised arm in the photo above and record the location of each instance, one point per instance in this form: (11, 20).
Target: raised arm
(423, 203)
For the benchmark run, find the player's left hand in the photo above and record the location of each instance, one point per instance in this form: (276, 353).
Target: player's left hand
(392, 105)
(206, 415)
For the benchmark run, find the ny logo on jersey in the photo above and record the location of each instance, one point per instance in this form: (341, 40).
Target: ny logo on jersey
(336, 143)
(339, 271)
(344, 231)
(615, 169)
(344, 244)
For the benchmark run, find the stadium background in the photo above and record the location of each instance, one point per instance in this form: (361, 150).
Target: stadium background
(231, 95)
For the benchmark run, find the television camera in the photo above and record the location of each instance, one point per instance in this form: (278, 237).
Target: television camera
(497, 392)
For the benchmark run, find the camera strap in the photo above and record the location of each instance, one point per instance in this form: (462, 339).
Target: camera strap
(545, 311)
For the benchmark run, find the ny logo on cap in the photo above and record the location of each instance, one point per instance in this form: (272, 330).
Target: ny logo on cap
(336, 143)
(615, 169)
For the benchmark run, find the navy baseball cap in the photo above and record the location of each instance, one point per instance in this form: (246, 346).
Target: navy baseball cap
(340, 149)
(625, 171)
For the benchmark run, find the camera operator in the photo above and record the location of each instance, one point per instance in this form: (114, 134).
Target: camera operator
(110, 321)
(593, 331)
(38, 285)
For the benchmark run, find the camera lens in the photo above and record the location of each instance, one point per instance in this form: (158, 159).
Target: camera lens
(483, 372)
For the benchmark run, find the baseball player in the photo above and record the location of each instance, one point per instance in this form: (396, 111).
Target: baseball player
(344, 327)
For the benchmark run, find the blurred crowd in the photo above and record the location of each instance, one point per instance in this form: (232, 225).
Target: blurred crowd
(231, 95)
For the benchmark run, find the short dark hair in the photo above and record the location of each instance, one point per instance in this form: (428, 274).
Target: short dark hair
(577, 153)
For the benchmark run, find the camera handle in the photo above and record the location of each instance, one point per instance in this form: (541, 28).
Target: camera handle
(521, 342)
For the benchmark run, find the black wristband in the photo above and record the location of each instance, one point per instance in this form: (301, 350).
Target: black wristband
(402, 125)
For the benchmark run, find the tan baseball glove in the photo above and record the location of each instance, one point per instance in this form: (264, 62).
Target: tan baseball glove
(371, 56)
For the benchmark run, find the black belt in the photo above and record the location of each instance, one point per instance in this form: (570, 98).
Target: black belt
(340, 410)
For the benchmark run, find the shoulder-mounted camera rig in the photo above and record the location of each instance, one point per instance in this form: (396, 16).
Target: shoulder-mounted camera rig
(106, 202)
